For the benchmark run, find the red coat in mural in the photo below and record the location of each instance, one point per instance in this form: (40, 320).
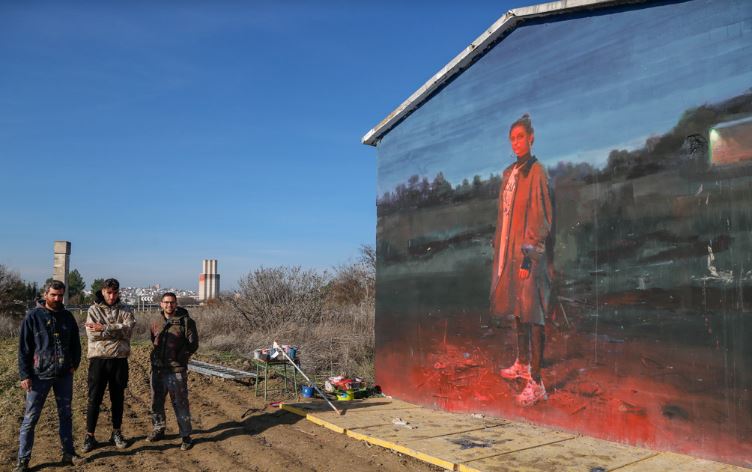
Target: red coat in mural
(526, 199)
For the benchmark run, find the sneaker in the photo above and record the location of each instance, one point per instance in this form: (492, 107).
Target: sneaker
(155, 435)
(516, 371)
(533, 392)
(22, 465)
(186, 444)
(71, 458)
(119, 440)
(90, 443)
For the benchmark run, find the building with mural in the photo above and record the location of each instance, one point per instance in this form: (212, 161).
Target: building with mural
(565, 226)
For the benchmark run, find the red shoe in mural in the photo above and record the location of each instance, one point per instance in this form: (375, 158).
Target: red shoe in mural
(533, 392)
(516, 371)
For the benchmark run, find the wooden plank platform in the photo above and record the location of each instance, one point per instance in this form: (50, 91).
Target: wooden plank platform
(577, 454)
(470, 443)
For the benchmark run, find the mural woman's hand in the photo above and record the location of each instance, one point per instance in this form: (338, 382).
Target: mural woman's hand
(524, 271)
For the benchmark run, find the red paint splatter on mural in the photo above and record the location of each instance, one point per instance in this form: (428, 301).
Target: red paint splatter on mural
(626, 396)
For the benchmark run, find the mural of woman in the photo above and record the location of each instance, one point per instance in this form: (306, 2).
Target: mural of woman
(521, 279)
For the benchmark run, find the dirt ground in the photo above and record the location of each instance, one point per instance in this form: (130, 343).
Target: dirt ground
(233, 430)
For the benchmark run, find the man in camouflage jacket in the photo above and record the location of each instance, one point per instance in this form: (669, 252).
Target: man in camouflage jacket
(174, 339)
(108, 328)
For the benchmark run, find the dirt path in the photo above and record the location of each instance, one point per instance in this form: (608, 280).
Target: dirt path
(265, 439)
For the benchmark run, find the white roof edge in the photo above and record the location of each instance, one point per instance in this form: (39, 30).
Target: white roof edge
(507, 22)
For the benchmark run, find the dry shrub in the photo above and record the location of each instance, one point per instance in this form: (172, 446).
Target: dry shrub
(142, 329)
(10, 326)
(338, 342)
(269, 297)
(15, 297)
(329, 316)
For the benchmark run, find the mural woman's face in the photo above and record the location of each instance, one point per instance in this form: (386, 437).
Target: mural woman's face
(521, 140)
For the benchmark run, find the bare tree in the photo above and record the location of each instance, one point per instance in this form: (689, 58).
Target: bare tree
(269, 297)
(354, 284)
(13, 293)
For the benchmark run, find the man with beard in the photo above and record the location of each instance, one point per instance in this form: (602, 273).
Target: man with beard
(108, 328)
(174, 339)
(49, 352)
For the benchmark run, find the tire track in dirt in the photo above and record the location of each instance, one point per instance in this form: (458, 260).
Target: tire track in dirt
(238, 437)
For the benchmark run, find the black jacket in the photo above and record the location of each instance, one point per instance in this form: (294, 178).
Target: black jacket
(49, 344)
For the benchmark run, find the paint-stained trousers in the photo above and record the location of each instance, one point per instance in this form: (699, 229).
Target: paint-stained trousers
(164, 381)
(40, 388)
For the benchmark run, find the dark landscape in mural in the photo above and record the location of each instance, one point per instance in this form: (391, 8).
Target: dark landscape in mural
(649, 326)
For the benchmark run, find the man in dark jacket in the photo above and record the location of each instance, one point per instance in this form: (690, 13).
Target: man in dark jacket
(49, 352)
(174, 340)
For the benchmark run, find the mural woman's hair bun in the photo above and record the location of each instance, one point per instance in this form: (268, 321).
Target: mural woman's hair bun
(525, 121)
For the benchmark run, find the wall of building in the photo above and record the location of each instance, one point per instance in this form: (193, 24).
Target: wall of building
(649, 321)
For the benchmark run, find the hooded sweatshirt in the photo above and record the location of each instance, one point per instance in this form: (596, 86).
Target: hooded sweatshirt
(49, 345)
(115, 340)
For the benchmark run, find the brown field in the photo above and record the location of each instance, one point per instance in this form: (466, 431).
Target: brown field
(233, 430)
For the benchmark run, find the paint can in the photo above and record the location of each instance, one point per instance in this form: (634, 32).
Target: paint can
(307, 391)
(345, 396)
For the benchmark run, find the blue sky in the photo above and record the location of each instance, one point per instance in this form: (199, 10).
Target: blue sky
(155, 134)
(590, 83)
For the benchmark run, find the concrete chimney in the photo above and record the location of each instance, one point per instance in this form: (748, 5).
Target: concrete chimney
(61, 264)
(208, 281)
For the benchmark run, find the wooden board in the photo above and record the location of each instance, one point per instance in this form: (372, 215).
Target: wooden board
(493, 441)
(670, 461)
(358, 413)
(470, 444)
(581, 454)
(423, 424)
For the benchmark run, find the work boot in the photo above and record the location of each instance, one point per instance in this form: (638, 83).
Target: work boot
(516, 371)
(533, 392)
(71, 458)
(22, 465)
(90, 443)
(118, 439)
(186, 444)
(155, 435)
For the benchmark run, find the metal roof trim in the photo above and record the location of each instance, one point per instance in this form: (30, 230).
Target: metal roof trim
(506, 23)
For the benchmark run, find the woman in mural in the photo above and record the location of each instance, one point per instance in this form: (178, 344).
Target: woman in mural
(523, 258)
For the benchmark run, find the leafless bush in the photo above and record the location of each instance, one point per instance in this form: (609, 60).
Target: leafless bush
(142, 328)
(268, 297)
(10, 326)
(354, 284)
(329, 316)
(13, 301)
(12, 294)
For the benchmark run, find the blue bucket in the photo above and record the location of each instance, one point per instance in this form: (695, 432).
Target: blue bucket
(292, 352)
(307, 391)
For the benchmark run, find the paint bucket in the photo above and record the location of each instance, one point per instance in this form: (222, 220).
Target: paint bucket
(345, 396)
(307, 391)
